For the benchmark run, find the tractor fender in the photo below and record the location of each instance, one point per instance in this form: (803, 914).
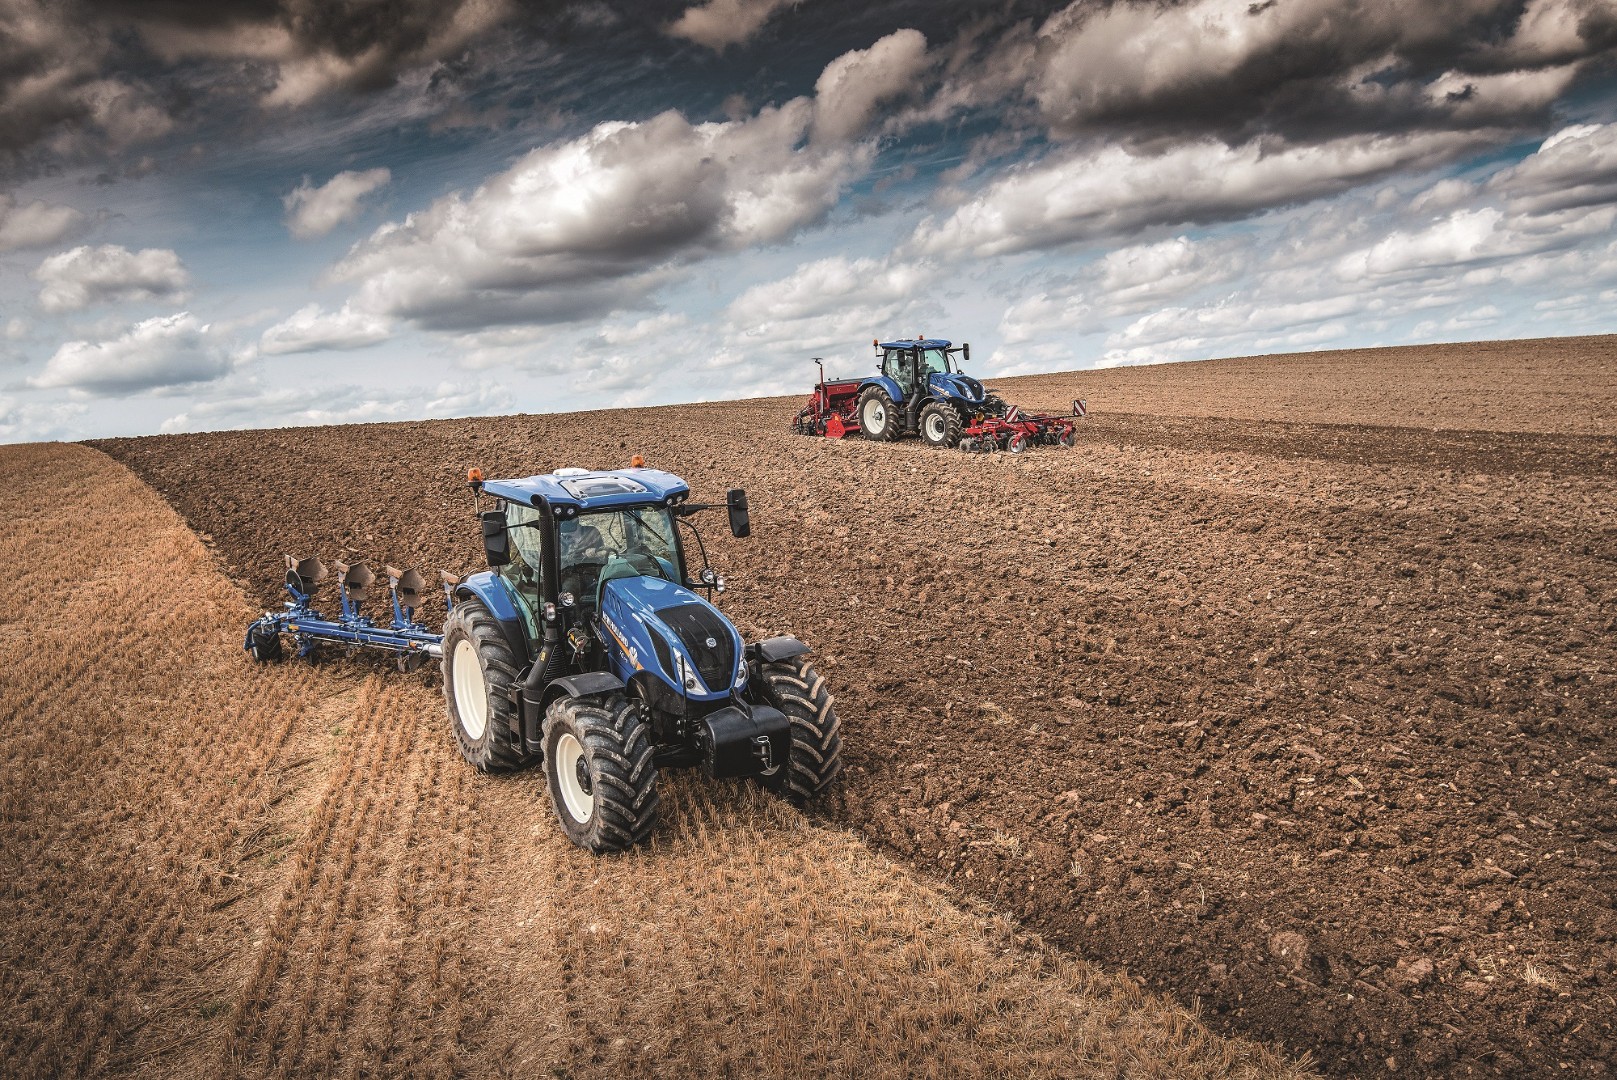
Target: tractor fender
(587, 684)
(886, 384)
(772, 650)
(484, 588)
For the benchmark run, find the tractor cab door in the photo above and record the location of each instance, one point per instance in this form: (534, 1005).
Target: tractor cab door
(523, 576)
(899, 365)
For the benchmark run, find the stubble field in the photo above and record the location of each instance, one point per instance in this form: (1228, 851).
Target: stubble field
(1307, 720)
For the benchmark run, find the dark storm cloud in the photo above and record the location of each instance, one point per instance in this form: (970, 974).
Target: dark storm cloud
(1302, 68)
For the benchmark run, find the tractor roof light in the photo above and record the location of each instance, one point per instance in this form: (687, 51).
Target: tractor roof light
(637, 462)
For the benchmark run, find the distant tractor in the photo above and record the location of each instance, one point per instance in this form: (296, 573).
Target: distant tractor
(921, 389)
(585, 646)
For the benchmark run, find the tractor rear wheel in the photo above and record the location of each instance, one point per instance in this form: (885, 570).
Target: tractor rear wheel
(796, 689)
(600, 770)
(940, 425)
(479, 672)
(878, 417)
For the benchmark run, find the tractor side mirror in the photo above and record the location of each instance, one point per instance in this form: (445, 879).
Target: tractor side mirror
(740, 523)
(965, 352)
(496, 541)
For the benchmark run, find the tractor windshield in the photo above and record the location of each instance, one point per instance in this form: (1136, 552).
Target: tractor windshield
(624, 542)
(936, 361)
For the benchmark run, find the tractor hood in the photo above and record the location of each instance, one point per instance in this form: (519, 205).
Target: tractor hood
(667, 629)
(962, 388)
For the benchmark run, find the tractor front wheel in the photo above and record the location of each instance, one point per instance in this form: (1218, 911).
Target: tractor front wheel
(940, 425)
(796, 689)
(600, 771)
(878, 417)
(479, 672)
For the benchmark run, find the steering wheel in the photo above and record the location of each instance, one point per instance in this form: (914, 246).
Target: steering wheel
(582, 575)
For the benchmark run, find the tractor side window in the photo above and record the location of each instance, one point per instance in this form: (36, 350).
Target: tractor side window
(524, 573)
(937, 361)
(896, 366)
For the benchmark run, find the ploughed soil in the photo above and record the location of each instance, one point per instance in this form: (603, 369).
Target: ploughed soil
(1310, 722)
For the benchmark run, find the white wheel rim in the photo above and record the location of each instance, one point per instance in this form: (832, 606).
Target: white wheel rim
(471, 696)
(579, 803)
(875, 416)
(934, 427)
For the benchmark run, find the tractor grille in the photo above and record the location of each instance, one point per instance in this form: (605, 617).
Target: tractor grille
(695, 625)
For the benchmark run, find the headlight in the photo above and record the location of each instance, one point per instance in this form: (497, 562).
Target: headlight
(741, 677)
(687, 677)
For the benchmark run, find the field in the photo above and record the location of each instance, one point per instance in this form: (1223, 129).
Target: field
(213, 869)
(1290, 690)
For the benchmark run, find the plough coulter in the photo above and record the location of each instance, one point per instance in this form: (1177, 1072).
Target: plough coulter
(921, 389)
(585, 646)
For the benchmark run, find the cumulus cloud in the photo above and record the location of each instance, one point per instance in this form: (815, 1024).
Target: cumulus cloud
(171, 350)
(855, 83)
(53, 83)
(829, 305)
(1102, 192)
(719, 24)
(1315, 67)
(1576, 166)
(1126, 280)
(592, 224)
(313, 329)
(107, 274)
(317, 49)
(314, 211)
(35, 225)
(252, 405)
(36, 421)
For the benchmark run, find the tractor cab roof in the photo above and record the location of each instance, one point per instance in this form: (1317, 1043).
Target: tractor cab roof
(583, 490)
(923, 343)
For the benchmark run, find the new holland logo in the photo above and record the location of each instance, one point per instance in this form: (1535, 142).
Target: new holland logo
(713, 643)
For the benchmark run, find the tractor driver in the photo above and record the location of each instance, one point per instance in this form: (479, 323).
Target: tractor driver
(583, 552)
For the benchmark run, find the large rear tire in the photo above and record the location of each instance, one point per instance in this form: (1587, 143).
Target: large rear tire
(940, 425)
(796, 689)
(479, 672)
(878, 417)
(601, 772)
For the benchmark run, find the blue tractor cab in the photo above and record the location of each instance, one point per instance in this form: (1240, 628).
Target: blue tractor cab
(921, 388)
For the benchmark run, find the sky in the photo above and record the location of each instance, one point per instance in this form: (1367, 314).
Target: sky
(257, 213)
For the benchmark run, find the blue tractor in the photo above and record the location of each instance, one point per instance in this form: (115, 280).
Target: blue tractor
(586, 645)
(921, 388)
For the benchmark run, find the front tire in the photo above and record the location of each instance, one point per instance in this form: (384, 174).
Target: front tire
(940, 425)
(878, 418)
(479, 672)
(601, 772)
(796, 689)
